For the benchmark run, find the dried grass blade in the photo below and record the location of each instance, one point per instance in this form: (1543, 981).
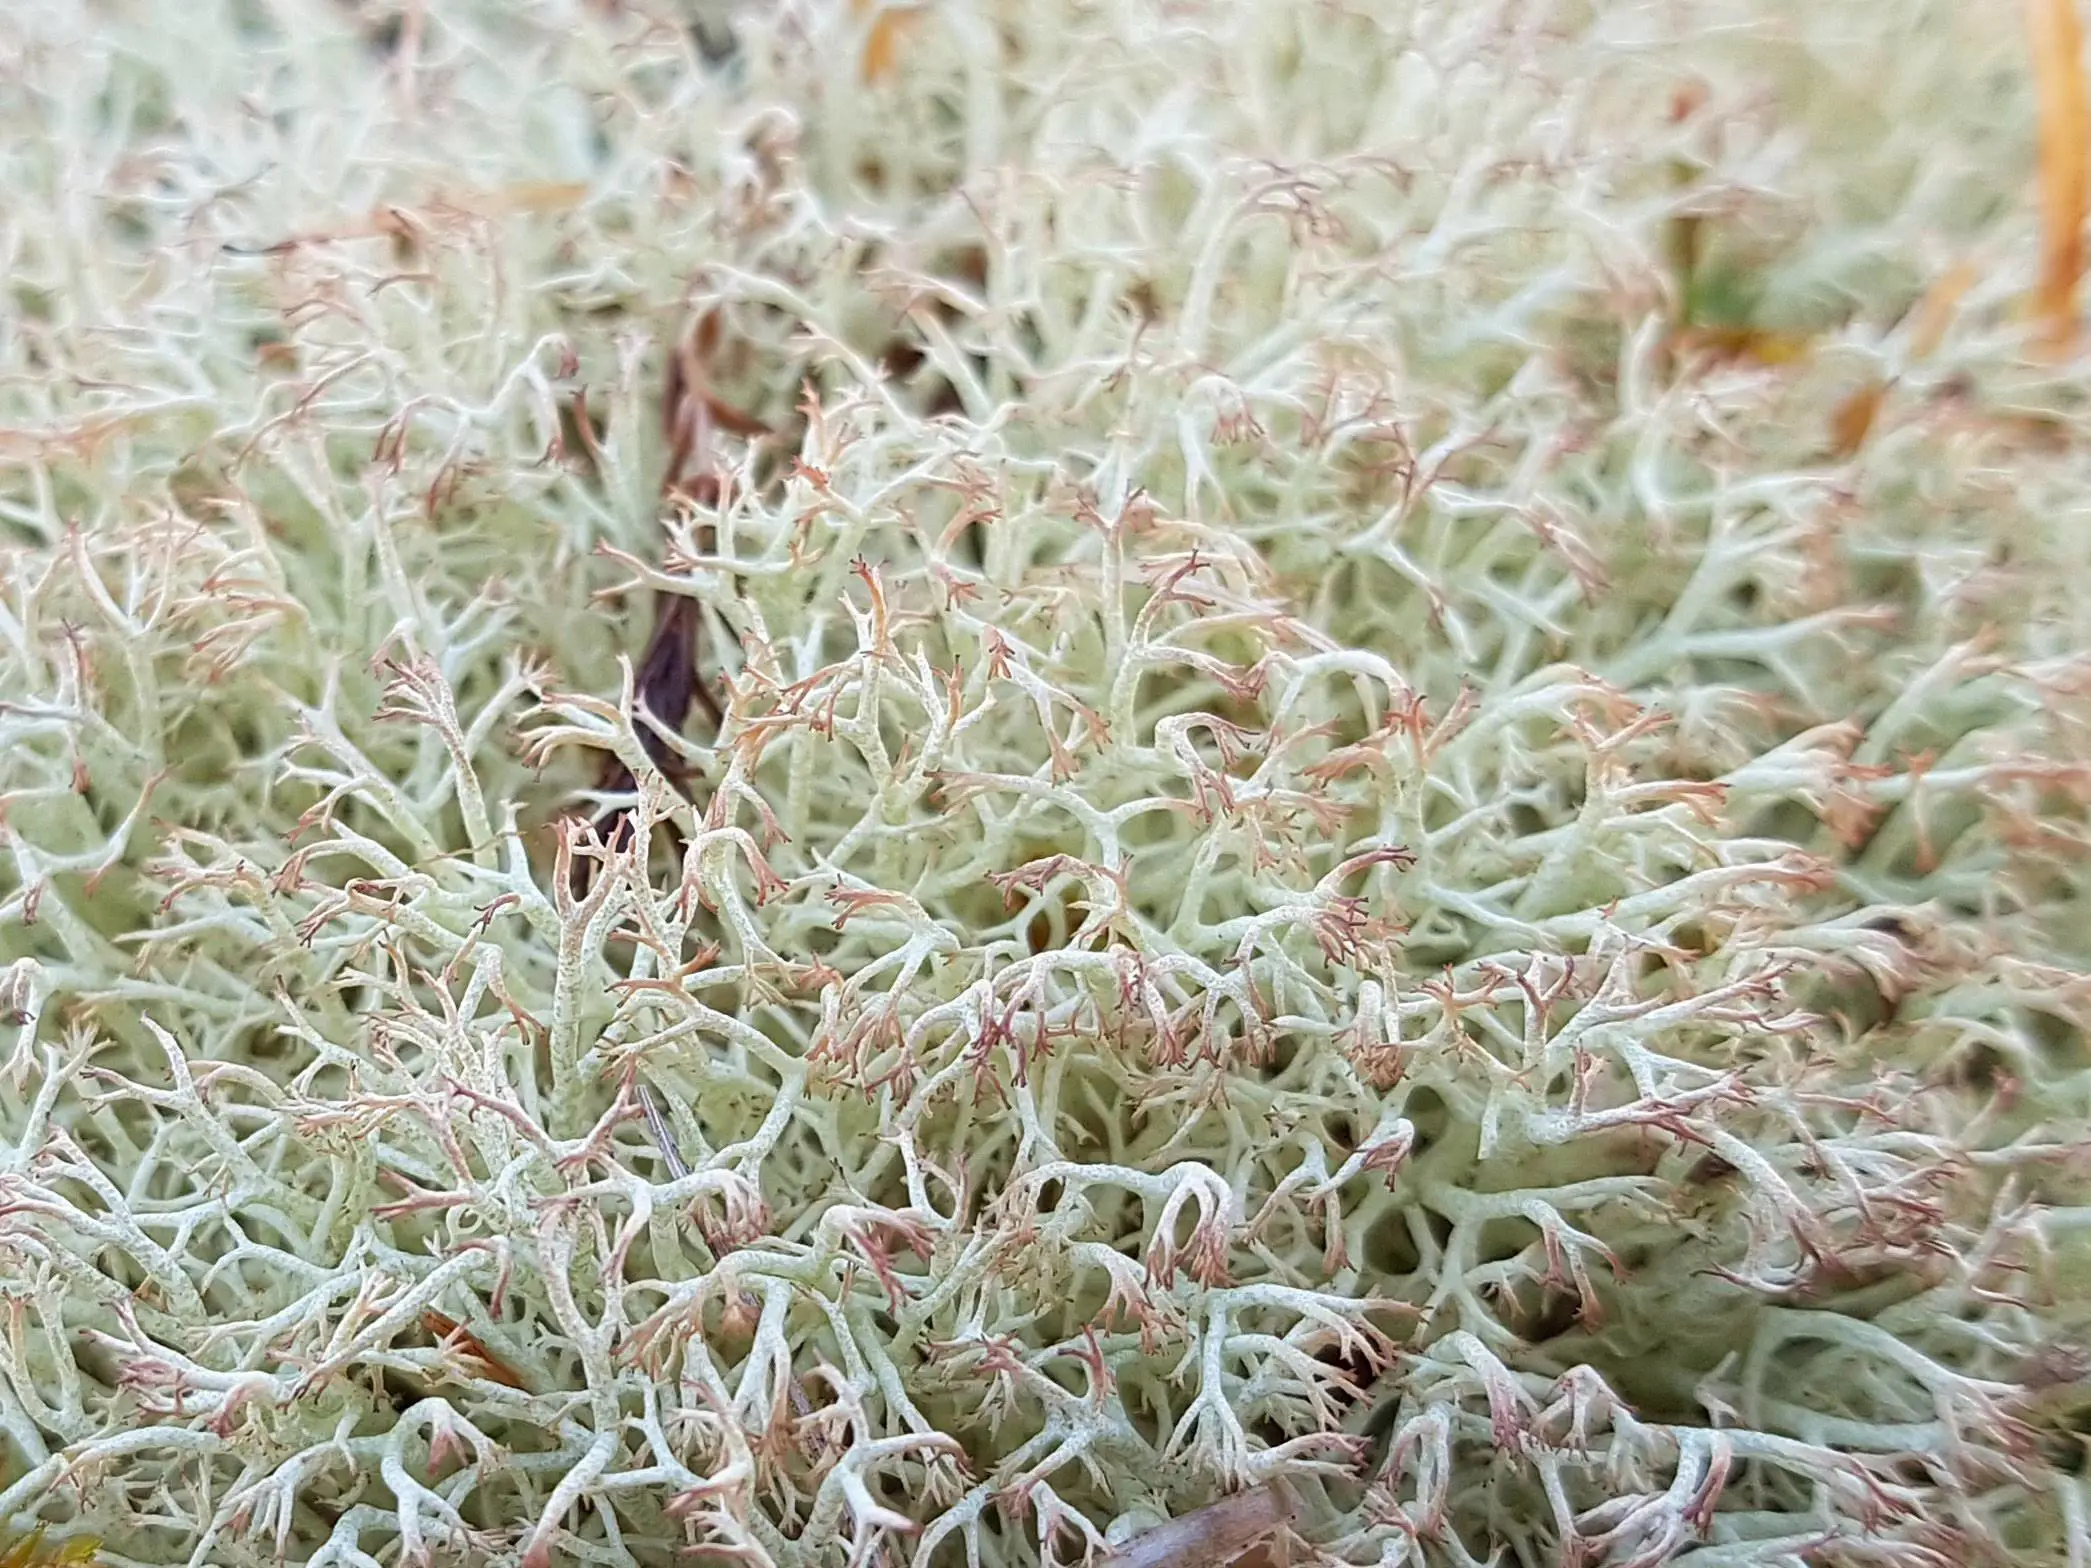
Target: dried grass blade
(2057, 41)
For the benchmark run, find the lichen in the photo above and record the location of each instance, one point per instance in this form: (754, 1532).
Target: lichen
(1398, 804)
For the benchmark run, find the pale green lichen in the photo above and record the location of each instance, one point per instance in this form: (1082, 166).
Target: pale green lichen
(1337, 854)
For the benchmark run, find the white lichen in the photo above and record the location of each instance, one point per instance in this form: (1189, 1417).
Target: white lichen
(1400, 807)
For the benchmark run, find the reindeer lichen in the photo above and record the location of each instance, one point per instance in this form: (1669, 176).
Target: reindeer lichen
(874, 785)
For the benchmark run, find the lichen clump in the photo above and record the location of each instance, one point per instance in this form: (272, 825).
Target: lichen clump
(1397, 801)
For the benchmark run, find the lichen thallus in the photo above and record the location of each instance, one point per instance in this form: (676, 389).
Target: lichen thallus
(668, 683)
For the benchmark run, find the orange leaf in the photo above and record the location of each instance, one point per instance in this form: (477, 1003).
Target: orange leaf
(2057, 40)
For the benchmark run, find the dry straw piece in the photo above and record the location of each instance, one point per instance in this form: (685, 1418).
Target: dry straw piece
(822, 786)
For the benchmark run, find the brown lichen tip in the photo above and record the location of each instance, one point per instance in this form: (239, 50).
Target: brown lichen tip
(1208, 1537)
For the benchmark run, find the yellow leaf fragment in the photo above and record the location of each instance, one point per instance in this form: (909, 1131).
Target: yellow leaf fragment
(2057, 42)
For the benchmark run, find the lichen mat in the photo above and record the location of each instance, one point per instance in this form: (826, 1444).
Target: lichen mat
(988, 784)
